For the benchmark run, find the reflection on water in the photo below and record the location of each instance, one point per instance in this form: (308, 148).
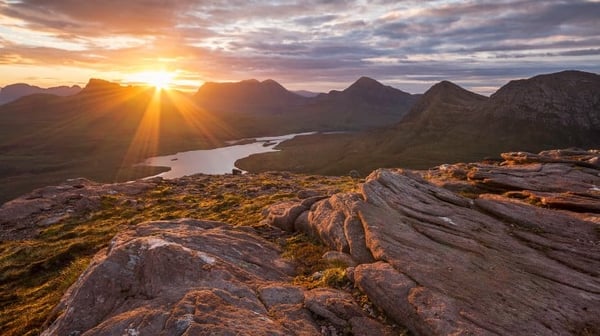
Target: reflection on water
(214, 161)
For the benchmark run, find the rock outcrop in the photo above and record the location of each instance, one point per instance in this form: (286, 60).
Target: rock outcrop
(492, 248)
(23, 217)
(520, 256)
(190, 277)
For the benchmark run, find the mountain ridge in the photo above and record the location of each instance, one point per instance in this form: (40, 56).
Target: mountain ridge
(16, 91)
(449, 124)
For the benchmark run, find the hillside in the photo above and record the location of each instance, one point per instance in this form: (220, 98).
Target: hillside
(105, 128)
(248, 96)
(450, 124)
(426, 252)
(97, 133)
(365, 104)
(13, 92)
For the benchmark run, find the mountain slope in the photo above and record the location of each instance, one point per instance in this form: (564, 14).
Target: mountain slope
(568, 98)
(553, 110)
(97, 133)
(15, 91)
(443, 105)
(247, 96)
(450, 124)
(363, 105)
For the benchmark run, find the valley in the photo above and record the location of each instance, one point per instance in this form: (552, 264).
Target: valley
(46, 139)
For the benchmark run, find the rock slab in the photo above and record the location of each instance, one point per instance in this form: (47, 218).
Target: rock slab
(493, 265)
(191, 277)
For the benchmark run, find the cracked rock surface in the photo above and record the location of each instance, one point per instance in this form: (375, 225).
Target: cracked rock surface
(521, 256)
(190, 277)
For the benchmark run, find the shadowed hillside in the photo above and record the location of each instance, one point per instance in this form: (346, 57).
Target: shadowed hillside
(104, 129)
(15, 91)
(450, 124)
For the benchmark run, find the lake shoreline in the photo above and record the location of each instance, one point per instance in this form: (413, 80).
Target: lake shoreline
(216, 161)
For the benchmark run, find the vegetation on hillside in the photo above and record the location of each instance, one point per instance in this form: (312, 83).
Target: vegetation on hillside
(35, 273)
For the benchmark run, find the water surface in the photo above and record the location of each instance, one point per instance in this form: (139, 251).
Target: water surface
(215, 161)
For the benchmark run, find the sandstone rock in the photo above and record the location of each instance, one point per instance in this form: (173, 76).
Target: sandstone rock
(284, 215)
(20, 218)
(445, 264)
(336, 306)
(336, 223)
(302, 194)
(190, 277)
(339, 257)
(274, 295)
(368, 326)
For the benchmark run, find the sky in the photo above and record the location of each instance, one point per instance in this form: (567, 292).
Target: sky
(315, 45)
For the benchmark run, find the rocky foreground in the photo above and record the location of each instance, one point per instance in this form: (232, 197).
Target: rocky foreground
(493, 248)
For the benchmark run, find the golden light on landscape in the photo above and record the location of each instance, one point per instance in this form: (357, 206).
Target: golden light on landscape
(158, 79)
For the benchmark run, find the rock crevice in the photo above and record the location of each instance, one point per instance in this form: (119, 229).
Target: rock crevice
(521, 260)
(191, 277)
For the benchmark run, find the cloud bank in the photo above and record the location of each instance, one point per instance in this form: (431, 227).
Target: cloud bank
(316, 45)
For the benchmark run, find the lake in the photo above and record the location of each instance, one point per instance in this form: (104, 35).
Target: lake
(215, 161)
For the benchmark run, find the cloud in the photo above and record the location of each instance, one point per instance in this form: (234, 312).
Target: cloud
(413, 42)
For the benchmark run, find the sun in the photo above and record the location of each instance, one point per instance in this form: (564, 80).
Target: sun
(158, 79)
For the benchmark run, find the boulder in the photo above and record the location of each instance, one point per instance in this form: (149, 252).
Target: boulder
(191, 277)
(22, 217)
(284, 215)
(444, 264)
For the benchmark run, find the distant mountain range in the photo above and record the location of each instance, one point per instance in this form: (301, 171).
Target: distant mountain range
(103, 129)
(15, 91)
(451, 124)
(306, 93)
(364, 104)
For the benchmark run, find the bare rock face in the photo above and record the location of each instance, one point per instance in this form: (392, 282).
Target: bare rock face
(22, 217)
(440, 263)
(190, 277)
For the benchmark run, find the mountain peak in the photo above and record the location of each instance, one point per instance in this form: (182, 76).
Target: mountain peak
(365, 83)
(567, 99)
(246, 95)
(15, 91)
(445, 86)
(451, 91)
(443, 102)
(95, 84)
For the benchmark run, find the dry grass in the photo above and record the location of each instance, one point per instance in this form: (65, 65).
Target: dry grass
(35, 273)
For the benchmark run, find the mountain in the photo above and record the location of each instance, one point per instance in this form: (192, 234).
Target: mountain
(444, 104)
(306, 93)
(370, 91)
(105, 128)
(449, 124)
(261, 107)
(248, 96)
(13, 92)
(102, 130)
(363, 105)
(546, 111)
(98, 133)
(567, 99)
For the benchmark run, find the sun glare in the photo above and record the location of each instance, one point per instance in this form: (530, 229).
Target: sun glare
(158, 79)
